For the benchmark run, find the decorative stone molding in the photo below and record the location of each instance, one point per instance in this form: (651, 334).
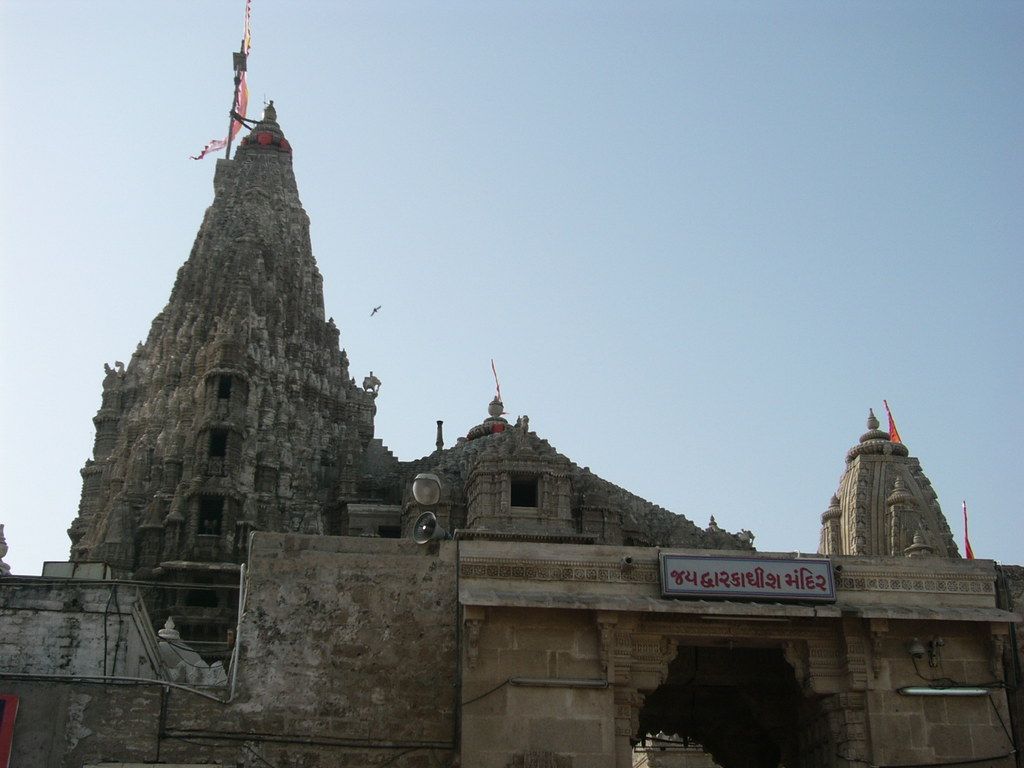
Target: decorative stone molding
(855, 657)
(557, 570)
(940, 583)
(651, 655)
(824, 666)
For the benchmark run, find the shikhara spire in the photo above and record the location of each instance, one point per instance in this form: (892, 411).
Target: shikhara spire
(238, 412)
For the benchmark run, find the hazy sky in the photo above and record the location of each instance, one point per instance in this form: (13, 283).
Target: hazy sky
(699, 239)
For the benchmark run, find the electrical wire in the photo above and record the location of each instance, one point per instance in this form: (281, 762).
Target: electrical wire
(1000, 717)
(111, 680)
(488, 693)
(257, 755)
(392, 759)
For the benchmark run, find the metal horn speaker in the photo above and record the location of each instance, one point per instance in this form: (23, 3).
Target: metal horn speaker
(427, 529)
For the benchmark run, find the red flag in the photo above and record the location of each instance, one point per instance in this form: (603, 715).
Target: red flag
(968, 552)
(894, 434)
(241, 103)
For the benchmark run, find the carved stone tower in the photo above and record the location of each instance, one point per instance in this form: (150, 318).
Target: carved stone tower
(885, 505)
(238, 412)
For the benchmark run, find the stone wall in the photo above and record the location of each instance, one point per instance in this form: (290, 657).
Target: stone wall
(922, 730)
(507, 712)
(58, 640)
(347, 657)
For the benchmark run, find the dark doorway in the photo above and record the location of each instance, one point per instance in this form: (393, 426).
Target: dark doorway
(742, 705)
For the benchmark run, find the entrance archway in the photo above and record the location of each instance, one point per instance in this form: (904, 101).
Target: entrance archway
(742, 704)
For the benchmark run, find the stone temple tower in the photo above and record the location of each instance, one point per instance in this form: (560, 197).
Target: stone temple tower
(885, 505)
(237, 413)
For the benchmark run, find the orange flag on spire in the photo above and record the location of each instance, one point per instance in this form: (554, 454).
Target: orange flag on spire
(968, 552)
(894, 434)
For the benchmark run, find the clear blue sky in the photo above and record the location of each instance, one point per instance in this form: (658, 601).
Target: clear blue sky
(700, 239)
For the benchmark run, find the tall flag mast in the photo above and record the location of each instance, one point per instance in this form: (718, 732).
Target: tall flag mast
(240, 100)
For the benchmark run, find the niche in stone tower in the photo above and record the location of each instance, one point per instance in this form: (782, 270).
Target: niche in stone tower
(218, 443)
(523, 492)
(211, 515)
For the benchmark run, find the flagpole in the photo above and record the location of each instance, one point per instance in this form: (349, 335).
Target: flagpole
(239, 61)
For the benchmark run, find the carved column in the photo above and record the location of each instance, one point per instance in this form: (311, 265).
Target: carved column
(636, 663)
(847, 721)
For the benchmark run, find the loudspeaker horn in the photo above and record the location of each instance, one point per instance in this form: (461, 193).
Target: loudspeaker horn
(427, 529)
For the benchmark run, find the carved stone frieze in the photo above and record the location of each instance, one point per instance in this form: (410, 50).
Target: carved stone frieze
(941, 583)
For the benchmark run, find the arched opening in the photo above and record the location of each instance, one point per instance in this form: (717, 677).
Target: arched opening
(741, 705)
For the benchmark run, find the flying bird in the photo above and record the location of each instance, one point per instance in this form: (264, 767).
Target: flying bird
(375, 310)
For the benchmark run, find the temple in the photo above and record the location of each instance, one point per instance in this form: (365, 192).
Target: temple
(256, 580)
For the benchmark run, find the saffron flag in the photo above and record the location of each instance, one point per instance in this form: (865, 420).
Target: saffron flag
(894, 434)
(241, 103)
(968, 552)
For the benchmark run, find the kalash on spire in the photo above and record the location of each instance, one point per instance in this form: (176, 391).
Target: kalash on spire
(237, 413)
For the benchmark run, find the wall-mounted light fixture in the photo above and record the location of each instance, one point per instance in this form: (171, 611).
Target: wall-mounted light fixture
(916, 649)
(426, 489)
(919, 650)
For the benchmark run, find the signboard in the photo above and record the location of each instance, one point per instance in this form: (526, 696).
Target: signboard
(751, 578)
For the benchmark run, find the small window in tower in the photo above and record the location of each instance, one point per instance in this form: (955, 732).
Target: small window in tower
(389, 531)
(211, 514)
(224, 387)
(524, 493)
(218, 442)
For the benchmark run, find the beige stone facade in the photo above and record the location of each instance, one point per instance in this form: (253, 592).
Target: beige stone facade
(569, 641)
(237, 489)
(359, 651)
